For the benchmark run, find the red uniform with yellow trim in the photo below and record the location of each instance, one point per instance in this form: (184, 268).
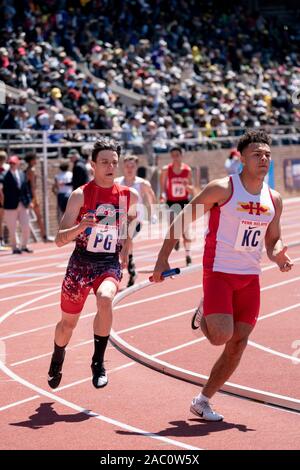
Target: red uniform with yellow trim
(232, 253)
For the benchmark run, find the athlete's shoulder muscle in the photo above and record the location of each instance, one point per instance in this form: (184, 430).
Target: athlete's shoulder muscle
(216, 192)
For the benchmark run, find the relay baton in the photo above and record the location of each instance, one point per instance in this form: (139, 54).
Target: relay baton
(170, 272)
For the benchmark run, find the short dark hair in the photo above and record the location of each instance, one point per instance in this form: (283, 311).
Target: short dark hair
(176, 148)
(105, 144)
(253, 137)
(64, 166)
(30, 156)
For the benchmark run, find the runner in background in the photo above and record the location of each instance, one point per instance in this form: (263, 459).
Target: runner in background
(146, 200)
(176, 189)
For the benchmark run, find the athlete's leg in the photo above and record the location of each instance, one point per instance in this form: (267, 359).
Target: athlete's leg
(102, 326)
(217, 322)
(131, 268)
(73, 297)
(187, 242)
(105, 295)
(65, 327)
(218, 328)
(63, 333)
(229, 359)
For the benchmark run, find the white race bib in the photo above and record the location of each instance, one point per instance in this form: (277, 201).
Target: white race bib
(178, 190)
(103, 239)
(250, 235)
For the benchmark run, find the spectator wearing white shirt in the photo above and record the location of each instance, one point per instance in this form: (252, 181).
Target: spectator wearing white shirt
(233, 162)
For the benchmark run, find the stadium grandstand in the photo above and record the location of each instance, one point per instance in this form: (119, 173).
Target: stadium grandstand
(129, 69)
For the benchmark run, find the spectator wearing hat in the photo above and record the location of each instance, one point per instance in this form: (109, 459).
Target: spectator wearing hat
(233, 162)
(59, 122)
(80, 172)
(55, 98)
(17, 199)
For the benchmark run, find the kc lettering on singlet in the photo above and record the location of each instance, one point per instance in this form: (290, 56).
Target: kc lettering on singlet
(250, 235)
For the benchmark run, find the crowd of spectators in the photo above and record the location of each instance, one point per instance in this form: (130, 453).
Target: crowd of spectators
(192, 64)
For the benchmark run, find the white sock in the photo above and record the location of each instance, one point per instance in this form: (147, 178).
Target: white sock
(202, 397)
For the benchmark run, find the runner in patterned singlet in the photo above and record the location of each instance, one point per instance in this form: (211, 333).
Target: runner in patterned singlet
(96, 216)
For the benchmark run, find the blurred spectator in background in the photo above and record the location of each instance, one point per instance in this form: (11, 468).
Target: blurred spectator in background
(31, 176)
(80, 172)
(4, 167)
(63, 188)
(233, 163)
(17, 199)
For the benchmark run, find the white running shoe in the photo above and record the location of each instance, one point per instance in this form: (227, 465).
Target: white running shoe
(197, 316)
(204, 411)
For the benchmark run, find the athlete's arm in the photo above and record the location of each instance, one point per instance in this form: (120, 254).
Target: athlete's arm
(69, 229)
(216, 192)
(190, 186)
(148, 192)
(276, 250)
(150, 199)
(163, 183)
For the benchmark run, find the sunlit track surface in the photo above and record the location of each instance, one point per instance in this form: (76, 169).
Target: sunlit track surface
(141, 408)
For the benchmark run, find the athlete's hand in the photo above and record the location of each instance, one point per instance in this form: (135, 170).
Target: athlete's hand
(283, 261)
(160, 267)
(88, 221)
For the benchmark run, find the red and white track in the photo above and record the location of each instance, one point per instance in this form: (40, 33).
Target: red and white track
(142, 408)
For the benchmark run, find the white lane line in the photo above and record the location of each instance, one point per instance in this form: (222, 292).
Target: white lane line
(282, 283)
(31, 268)
(266, 268)
(126, 330)
(30, 258)
(26, 294)
(277, 312)
(20, 402)
(29, 281)
(98, 416)
(32, 309)
(157, 354)
(71, 405)
(132, 328)
(274, 352)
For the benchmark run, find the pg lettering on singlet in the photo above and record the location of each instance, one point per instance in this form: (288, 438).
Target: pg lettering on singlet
(103, 239)
(250, 235)
(178, 189)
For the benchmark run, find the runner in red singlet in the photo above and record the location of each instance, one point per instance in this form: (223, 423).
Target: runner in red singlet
(96, 217)
(176, 187)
